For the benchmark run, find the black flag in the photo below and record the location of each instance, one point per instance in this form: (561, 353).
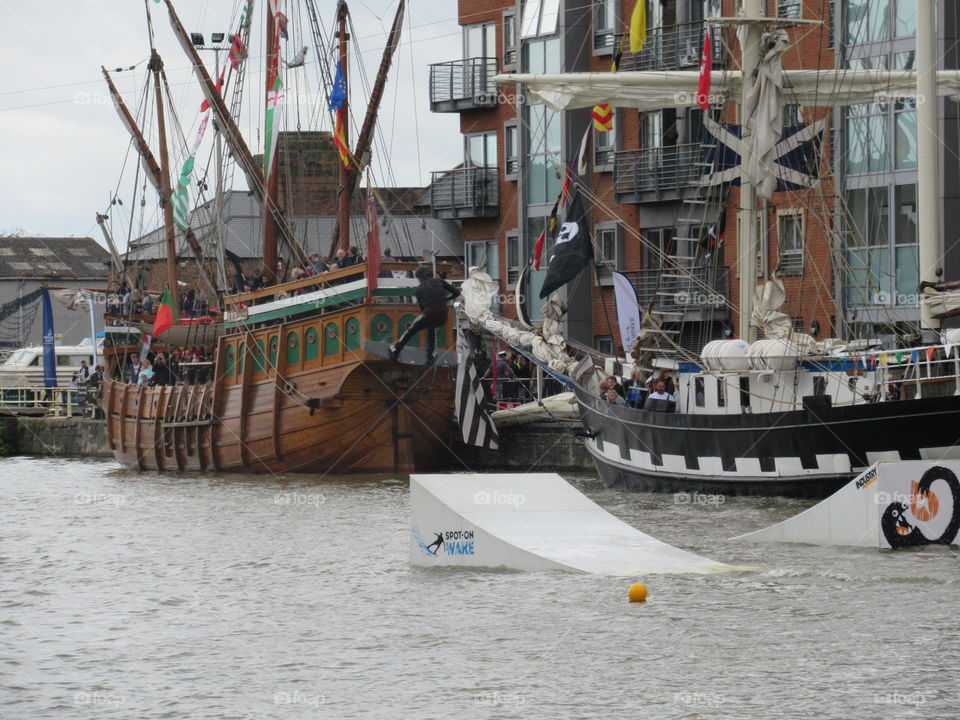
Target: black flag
(573, 250)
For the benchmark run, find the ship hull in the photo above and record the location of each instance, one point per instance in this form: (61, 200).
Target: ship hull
(366, 418)
(805, 453)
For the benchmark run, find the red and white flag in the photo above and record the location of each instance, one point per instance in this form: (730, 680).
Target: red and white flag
(706, 69)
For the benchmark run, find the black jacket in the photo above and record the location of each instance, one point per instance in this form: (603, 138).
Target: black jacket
(433, 293)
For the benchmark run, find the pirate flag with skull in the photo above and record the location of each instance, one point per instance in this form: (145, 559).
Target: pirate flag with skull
(573, 250)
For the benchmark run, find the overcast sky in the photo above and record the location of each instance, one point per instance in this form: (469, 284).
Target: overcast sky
(63, 147)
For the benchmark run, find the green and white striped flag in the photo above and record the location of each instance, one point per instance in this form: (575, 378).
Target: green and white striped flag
(181, 196)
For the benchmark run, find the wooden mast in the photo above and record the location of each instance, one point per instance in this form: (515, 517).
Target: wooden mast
(365, 136)
(271, 165)
(169, 229)
(155, 174)
(343, 209)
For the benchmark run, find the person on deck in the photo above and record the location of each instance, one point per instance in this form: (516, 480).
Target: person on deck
(135, 369)
(317, 266)
(84, 372)
(146, 373)
(636, 390)
(614, 399)
(161, 373)
(660, 391)
(432, 296)
(611, 383)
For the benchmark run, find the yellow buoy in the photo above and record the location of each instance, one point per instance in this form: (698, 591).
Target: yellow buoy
(637, 592)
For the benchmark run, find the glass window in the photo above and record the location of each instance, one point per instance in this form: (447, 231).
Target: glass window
(604, 19)
(513, 257)
(478, 40)
(788, 8)
(790, 235)
(509, 39)
(608, 250)
(539, 18)
(906, 20)
(906, 260)
(867, 21)
(511, 149)
(543, 158)
(480, 150)
(484, 255)
(604, 145)
(604, 344)
(867, 138)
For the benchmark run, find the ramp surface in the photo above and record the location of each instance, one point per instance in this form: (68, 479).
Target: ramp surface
(890, 505)
(534, 521)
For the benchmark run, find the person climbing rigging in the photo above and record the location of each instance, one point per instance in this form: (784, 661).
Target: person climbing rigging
(432, 296)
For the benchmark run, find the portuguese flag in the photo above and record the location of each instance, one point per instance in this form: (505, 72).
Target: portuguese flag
(167, 315)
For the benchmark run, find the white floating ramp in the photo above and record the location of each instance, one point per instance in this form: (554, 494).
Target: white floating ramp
(891, 504)
(534, 521)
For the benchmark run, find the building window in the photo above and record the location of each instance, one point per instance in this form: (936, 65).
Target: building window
(480, 150)
(509, 40)
(659, 248)
(609, 252)
(790, 236)
(604, 146)
(511, 149)
(878, 20)
(479, 40)
(788, 8)
(603, 344)
(604, 26)
(484, 255)
(544, 145)
(513, 257)
(539, 18)
(906, 259)
(698, 393)
(867, 132)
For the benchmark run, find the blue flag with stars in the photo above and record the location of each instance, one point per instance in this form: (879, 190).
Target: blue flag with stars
(339, 93)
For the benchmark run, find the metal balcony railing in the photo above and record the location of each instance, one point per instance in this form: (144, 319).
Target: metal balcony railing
(686, 291)
(672, 47)
(463, 85)
(470, 192)
(654, 174)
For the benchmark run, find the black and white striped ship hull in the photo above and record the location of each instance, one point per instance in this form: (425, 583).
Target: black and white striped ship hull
(809, 453)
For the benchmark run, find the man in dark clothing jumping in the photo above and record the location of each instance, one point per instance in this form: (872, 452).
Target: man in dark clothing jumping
(432, 296)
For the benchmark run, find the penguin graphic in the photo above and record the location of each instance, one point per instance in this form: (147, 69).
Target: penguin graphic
(435, 546)
(899, 532)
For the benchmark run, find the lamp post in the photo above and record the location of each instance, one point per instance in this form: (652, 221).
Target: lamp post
(216, 48)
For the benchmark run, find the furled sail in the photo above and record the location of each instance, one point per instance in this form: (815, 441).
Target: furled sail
(678, 89)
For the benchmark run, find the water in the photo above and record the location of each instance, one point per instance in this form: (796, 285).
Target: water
(161, 596)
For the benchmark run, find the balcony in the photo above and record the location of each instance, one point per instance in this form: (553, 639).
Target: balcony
(693, 294)
(470, 192)
(672, 47)
(463, 85)
(656, 174)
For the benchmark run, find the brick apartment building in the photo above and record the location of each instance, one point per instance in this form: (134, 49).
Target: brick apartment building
(650, 215)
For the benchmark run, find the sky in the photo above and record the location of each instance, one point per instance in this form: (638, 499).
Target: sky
(65, 151)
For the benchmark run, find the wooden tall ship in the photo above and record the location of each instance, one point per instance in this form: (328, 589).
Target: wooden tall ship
(292, 385)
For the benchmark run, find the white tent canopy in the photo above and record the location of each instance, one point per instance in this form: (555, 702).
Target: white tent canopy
(655, 90)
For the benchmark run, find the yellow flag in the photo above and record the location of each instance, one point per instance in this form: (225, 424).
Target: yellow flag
(638, 26)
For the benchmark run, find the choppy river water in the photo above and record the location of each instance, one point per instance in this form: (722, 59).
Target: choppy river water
(164, 596)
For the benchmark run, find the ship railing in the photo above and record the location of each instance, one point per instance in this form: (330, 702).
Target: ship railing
(673, 47)
(49, 402)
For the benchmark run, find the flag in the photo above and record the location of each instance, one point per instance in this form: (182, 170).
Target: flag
(274, 101)
(167, 315)
(338, 94)
(476, 426)
(551, 224)
(181, 197)
(706, 69)
(796, 164)
(573, 250)
(373, 245)
(638, 26)
(602, 118)
(340, 140)
(538, 248)
(49, 344)
(930, 351)
(603, 114)
(205, 105)
(628, 310)
(899, 358)
(236, 51)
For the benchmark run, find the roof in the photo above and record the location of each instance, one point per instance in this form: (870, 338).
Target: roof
(52, 258)
(407, 234)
